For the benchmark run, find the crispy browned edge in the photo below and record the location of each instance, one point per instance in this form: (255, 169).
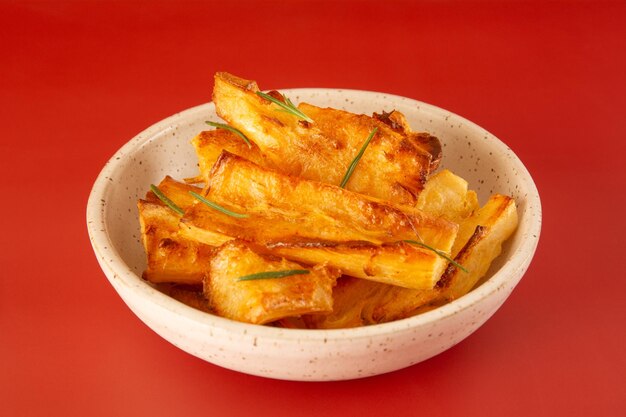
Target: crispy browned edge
(423, 140)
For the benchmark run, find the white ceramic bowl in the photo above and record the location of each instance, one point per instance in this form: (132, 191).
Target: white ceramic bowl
(469, 150)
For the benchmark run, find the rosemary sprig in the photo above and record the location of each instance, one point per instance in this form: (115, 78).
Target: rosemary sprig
(217, 206)
(287, 106)
(440, 253)
(356, 160)
(273, 274)
(231, 129)
(166, 200)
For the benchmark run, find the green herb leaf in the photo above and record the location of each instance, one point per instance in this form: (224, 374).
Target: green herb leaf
(217, 206)
(273, 274)
(287, 107)
(356, 160)
(166, 200)
(231, 129)
(440, 253)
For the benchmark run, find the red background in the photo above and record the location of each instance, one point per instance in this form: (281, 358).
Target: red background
(79, 79)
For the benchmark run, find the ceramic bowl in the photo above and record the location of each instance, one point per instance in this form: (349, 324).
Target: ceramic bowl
(164, 148)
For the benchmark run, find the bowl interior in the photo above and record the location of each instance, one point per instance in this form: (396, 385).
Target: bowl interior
(164, 149)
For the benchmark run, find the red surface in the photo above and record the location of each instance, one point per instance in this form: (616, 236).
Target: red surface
(78, 79)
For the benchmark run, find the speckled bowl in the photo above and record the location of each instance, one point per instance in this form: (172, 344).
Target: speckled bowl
(469, 150)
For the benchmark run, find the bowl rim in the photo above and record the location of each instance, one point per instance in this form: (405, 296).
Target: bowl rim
(117, 270)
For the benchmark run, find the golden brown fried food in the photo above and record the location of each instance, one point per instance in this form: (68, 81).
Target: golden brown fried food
(170, 257)
(393, 168)
(359, 302)
(399, 263)
(176, 191)
(264, 300)
(446, 195)
(492, 225)
(283, 208)
(313, 222)
(210, 144)
(294, 216)
(422, 140)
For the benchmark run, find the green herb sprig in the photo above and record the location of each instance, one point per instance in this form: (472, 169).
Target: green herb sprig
(356, 160)
(287, 106)
(217, 206)
(438, 252)
(273, 274)
(231, 129)
(166, 200)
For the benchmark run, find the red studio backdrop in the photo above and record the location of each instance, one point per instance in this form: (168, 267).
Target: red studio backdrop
(79, 79)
